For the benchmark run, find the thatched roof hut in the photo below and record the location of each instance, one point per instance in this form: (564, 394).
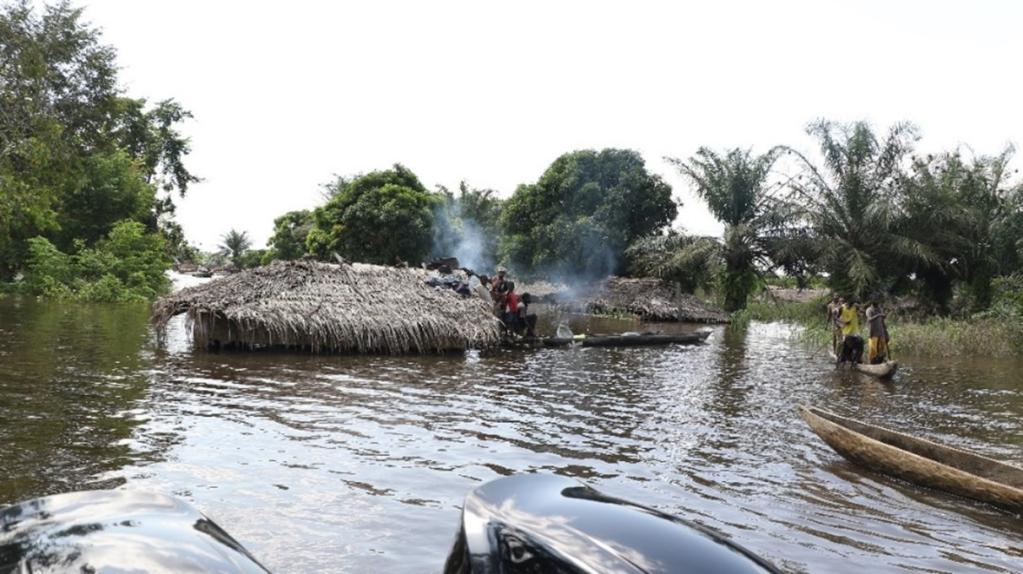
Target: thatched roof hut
(324, 307)
(652, 300)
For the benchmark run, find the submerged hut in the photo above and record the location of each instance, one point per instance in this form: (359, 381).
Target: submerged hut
(323, 307)
(652, 300)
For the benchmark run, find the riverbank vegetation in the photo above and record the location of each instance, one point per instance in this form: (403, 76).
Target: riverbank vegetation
(865, 213)
(996, 332)
(873, 220)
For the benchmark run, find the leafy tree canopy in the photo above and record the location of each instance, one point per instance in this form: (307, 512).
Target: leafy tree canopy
(76, 155)
(289, 238)
(582, 213)
(967, 213)
(851, 204)
(379, 217)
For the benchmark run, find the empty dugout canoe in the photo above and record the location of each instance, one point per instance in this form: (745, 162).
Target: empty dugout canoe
(918, 460)
(637, 340)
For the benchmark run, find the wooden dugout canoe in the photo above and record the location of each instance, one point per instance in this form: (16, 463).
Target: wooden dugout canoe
(919, 460)
(638, 340)
(881, 370)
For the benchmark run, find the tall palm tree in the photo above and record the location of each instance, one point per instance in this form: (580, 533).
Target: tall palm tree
(234, 245)
(736, 188)
(965, 209)
(851, 203)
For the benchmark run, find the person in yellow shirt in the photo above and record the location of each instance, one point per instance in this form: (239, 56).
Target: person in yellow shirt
(852, 342)
(849, 319)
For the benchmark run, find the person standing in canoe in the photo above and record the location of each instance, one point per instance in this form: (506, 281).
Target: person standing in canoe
(852, 342)
(877, 344)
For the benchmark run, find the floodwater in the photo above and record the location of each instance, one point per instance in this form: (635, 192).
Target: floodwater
(360, 464)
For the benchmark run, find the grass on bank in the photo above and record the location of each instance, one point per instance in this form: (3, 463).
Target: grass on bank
(983, 336)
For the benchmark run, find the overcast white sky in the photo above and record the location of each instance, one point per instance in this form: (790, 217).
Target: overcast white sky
(287, 94)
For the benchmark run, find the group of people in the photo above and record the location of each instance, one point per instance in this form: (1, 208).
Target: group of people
(510, 307)
(843, 318)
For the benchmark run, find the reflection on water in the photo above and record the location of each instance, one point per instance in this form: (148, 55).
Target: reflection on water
(355, 464)
(71, 378)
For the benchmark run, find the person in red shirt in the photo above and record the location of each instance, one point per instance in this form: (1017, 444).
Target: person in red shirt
(510, 314)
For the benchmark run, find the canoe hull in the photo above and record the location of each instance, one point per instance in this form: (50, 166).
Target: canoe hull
(627, 340)
(918, 460)
(881, 371)
(645, 340)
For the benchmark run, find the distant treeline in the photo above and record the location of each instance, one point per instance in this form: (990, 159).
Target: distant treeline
(870, 218)
(87, 177)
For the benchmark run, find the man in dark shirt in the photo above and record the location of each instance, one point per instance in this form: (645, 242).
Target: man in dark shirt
(877, 345)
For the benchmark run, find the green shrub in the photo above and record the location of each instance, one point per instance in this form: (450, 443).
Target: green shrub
(1007, 302)
(128, 265)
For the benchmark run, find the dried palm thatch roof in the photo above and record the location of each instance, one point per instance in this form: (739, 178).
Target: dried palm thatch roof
(324, 307)
(652, 300)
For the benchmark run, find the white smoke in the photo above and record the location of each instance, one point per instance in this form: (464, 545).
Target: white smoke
(457, 235)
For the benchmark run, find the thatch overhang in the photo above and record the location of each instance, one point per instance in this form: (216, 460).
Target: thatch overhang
(652, 300)
(649, 299)
(323, 307)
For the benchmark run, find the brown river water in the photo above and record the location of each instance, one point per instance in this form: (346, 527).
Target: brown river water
(360, 464)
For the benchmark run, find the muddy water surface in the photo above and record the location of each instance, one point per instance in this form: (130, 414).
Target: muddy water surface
(359, 464)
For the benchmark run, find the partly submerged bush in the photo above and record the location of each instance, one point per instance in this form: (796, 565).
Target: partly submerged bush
(809, 313)
(128, 265)
(993, 334)
(941, 336)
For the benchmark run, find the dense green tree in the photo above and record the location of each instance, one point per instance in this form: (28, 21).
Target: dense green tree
(109, 189)
(76, 155)
(26, 210)
(234, 245)
(379, 217)
(55, 72)
(736, 188)
(288, 241)
(467, 226)
(253, 258)
(688, 261)
(580, 216)
(851, 203)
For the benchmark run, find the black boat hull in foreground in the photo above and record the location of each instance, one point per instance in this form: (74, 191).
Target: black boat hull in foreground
(108, 531)
(520, 524)
(545, 523)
